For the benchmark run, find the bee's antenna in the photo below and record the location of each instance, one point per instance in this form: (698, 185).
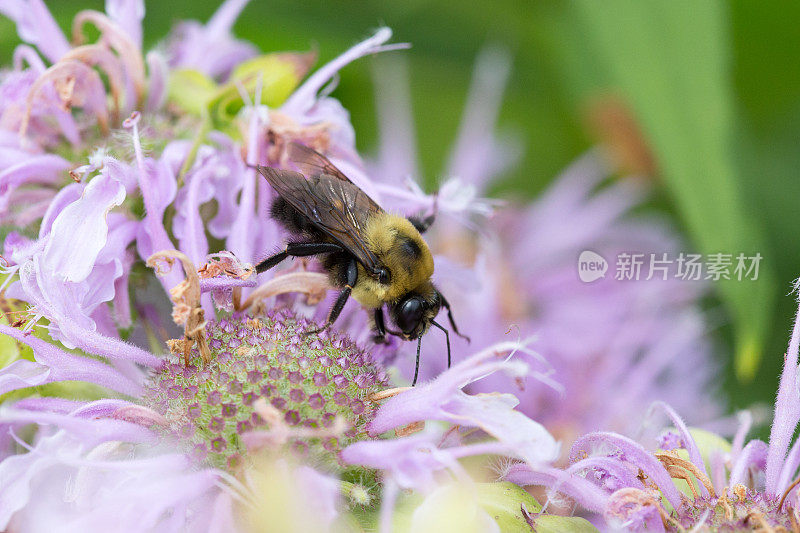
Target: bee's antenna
(416, 368)
(447, 337)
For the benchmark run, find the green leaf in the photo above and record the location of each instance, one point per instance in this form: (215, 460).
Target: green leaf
(9, 350)
(503, 501)
(563, 524)
(455, 508)
(708, 443)
(449, 509)
(190, 90)
(670, 62)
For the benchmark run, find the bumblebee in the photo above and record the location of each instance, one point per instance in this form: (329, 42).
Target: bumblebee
(378, 258)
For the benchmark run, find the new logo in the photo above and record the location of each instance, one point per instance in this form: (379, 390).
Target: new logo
(591, 266)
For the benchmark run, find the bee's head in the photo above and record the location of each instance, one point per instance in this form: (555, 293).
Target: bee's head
(414, 312)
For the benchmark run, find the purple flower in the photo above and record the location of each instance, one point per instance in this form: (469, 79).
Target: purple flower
(787, 415)
(20, 169)
(189, 439)
(52, 365)
(747, 485)
(87, 460)
(209, 47)
(516, 271)
(443, 399)
(78, 455)
(417, 462)
(128, 14)
(36, 26)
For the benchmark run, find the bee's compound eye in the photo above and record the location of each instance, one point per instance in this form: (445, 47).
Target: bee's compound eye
(383, 276)
(410, 314)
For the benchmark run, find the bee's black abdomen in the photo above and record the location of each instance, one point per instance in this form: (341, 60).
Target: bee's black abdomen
(336, 264)
(294, 221)
(288, 216)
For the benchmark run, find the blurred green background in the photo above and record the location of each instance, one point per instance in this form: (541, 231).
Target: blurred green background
(713, 87)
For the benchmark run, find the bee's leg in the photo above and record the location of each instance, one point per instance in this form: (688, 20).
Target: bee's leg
(352, 277)
(380, 327)
(422, 224)
(446, 304)
(446, 337)
(298, 249)
(271, 261)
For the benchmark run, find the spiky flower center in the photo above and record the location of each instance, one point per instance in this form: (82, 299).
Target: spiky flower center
(313, 381)
(743, 510)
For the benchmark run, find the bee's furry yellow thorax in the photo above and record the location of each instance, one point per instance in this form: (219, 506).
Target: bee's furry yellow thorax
(399, 247)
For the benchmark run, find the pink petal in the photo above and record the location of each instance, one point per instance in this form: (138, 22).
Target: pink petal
(36, 25)
(688, 441)
(53, 364)
(24, 53)
(21, 374)
(397, 157)
(158, 71)
(632, 452)
(128, 15)
(587, 494)
(88, 91)
(221, 22)
(67, 195)
(43, 169)
(410, 460)
(188, 226)
(476, 154)
(787, 412)
(754, 454)
(306, 95)
(91, 432)
(442, 399)
(210, 48)
(85, 218)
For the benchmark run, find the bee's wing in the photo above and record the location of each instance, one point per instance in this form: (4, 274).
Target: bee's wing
(313, 163)
(337, 207)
